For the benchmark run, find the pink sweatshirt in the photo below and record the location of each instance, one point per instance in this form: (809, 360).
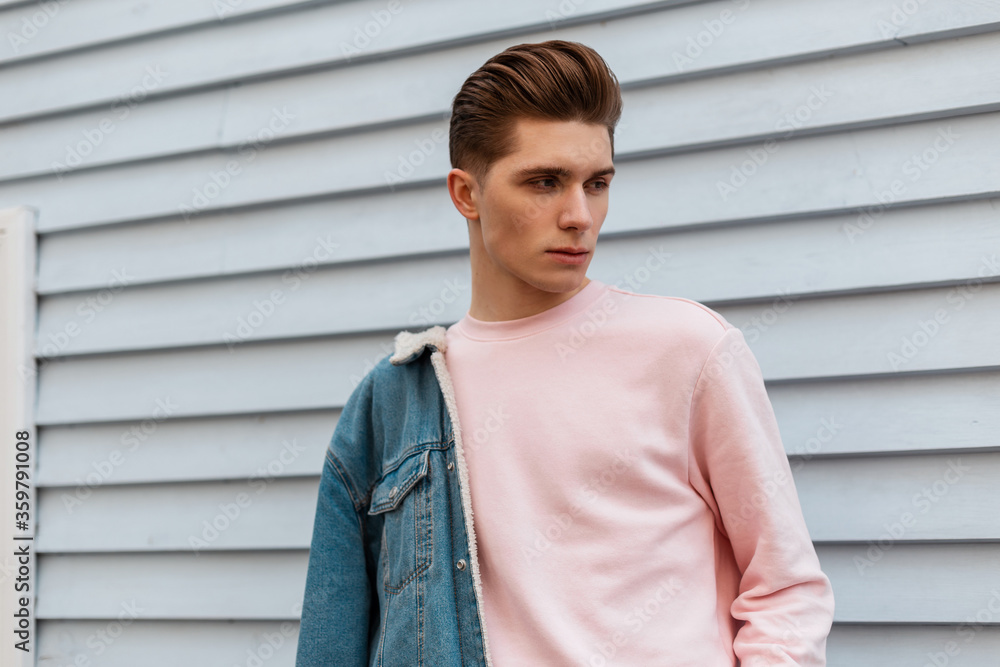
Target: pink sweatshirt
(633, 504)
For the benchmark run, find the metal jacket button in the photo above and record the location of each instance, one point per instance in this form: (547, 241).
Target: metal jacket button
(460, 564)
(392, 491)
(451, 465)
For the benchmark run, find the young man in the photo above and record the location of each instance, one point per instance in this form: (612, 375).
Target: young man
(573, 473)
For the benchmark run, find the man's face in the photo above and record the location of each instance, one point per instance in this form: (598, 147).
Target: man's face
(551, 193)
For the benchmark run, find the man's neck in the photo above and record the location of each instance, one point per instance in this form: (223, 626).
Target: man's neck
(499, 305)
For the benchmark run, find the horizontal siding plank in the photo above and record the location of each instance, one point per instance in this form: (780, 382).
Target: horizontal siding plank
(932, 244)
(83, 457)
(956, 580)
(904, 413)
(126, 128)
(773, 31)
(939, 412)
(966, 645)
(297, 237)
(913, 583)
(881, 501)
(317, 36)
(63, 26)
(167, 643)
(916, 330)
(267, 306)
(207, 381)
(212, 586)
(889, 499)
(868, 167)
(854, 91)
(927, 245)
(260, 512)
(862, 171)
(930, 80)
(190, 185)
(810, 339)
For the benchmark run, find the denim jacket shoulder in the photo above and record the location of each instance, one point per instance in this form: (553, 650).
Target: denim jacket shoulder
(393, 577)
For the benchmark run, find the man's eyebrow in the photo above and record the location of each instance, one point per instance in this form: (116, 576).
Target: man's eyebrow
(544, 170)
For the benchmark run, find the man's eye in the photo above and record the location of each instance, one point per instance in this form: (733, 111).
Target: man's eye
(603, 185)
(542, 181)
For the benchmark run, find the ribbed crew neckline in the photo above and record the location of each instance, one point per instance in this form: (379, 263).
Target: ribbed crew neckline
(475, 329)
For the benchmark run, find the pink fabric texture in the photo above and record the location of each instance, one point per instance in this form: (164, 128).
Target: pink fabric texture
(632, 500)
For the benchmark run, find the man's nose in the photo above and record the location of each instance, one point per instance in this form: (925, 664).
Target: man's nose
(576, 210)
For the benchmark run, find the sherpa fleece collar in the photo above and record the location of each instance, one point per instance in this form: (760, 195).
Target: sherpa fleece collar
(410, 345)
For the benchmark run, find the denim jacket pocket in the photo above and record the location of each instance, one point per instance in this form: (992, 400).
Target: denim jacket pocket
(402, 498)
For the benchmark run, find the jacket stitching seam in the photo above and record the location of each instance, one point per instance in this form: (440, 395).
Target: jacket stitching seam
(406, 484)
(422, 498)
(412, 451)
(344, 479)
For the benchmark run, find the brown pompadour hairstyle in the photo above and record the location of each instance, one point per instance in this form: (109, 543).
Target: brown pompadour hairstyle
(553, 80)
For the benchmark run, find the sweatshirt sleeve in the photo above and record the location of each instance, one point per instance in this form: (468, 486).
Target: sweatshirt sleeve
(739, 465)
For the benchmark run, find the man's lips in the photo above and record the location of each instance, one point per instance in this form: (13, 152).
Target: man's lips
(567, 257)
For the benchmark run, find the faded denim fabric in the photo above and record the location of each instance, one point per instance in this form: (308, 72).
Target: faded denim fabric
(391, 579)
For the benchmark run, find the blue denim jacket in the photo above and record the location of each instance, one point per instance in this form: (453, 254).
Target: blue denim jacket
(393, 577)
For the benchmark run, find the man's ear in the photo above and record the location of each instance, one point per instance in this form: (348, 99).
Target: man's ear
(464, 193)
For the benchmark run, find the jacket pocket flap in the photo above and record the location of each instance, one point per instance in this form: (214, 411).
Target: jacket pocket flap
(394, 485)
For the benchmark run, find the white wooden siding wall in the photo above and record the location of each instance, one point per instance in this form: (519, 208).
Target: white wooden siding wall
(188, 358)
